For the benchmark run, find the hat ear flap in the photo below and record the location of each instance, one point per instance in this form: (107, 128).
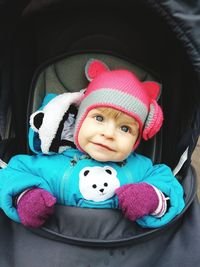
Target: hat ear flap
(94, 67)
(153, 122)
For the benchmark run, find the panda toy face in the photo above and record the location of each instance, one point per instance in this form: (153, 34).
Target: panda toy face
(98, 183)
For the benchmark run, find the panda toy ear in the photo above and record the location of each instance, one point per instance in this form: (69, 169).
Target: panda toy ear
(36, 120)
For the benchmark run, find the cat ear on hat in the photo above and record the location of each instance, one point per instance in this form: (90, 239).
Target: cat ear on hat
(153, 89)
(94, 67)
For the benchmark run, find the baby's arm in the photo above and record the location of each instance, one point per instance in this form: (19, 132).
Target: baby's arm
(19, 176)
(34, 206)
(163, 179)
(145, 200)
(140, 199)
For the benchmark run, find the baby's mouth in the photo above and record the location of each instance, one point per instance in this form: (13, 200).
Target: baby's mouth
(103, 146)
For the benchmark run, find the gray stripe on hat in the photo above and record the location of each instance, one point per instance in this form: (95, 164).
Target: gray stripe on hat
(110, 96)
(150, 116)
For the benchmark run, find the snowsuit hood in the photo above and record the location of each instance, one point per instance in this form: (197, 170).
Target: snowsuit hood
(52, 125)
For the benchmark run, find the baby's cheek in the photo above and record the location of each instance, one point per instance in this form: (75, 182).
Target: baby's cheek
(125, 149)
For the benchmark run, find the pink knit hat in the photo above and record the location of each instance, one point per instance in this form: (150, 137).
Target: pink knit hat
(121, 90)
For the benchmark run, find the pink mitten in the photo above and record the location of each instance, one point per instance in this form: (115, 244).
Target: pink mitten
(35, 206)
(137, 200)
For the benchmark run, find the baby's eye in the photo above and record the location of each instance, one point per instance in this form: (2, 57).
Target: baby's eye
(99, 118)
(125, 128)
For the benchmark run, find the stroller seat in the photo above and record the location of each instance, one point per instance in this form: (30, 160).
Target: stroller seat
(66, 74)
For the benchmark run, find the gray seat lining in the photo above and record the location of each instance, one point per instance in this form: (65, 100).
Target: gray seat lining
(67, 75)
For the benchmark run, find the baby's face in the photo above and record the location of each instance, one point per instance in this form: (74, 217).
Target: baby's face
(107, 138)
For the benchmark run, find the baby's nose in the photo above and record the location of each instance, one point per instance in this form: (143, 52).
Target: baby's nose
(109, 130)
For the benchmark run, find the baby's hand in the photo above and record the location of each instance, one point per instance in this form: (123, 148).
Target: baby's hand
(137, 200)
(35, 206)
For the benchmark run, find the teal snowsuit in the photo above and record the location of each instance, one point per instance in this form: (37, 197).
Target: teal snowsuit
(77, 180)
(61, 175)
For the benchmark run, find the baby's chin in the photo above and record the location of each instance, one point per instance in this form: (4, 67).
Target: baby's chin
(105, 158)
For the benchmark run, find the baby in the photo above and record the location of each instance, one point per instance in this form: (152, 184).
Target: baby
(103, 171)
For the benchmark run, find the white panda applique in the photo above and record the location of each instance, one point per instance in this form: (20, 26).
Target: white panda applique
(98, 183)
